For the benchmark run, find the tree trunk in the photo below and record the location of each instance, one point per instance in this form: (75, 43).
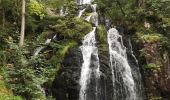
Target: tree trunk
(3, 18)
(3, 13)
(140, 3)
(22, 24)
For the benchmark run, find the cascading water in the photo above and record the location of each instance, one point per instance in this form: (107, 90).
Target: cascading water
(90, 71)
(81, 2)
(136, 74)
(88, 18)
(88, 50)
(131, 50)
(81, 12)
(62, 12)
(123, 82)
(42, 47)
(93, 17)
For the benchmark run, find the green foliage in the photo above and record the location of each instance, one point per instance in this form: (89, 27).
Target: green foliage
(21, 76)
(158, 7)
(5, 92)
(166, 20)
(54, 3)
(102, 34)
(26, 77)
(156, 98)
(151, 38)
(36, 8)
(159, 39)
(12, 9)
(69, 28)
(4, 97)
(71, 9)
(59, 51)
(153, 67)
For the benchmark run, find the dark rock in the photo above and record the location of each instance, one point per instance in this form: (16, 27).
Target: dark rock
(66, 83)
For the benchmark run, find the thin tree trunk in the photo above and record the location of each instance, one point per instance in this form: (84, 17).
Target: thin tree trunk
(3, 13)
(3, 18)
(22, 24)
(140, 3)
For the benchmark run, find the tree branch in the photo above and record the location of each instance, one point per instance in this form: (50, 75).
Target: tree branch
(118, 2)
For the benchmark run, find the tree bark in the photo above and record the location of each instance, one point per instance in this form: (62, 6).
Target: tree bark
(3, 13)
(140, 3)
(3, 18)
(21, 43)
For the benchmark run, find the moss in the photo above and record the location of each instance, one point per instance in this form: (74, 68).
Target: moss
(143, 52)
(156, 98)
(153, 67)
(151, 38)
(69, 28)
(159, 39)
(59, 52)
(166, 20)
(102, 39)
(102, 34)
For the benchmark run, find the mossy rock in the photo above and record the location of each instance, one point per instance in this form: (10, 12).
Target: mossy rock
(102, 39)
(73, 28)
(102, 34)
(153, 67)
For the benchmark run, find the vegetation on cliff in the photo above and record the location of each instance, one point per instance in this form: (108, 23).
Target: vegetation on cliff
(145, 22)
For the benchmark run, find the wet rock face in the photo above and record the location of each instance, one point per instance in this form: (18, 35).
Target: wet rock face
(66, 83)
(106, 76)
(165, 80)
(156, 79)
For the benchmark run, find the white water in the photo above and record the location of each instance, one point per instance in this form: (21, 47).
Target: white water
(88, 48)
(37, 51)
(88, 18)
(62, 12)
(81, 12)
(131, 50)
(94, 18)
(90, 66)
(82, 2)
(120, 66)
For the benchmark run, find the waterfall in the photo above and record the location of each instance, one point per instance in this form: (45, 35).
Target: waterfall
(93, 17)
(82, 2)
(136, 75)
(88, 18)
(131, 50)
(123, 82)
(62, 12)
(81, 12)
(88, 50)
(90, 71)
(37, 51)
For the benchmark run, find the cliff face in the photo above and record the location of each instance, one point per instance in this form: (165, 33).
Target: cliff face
(66, 83)
(156, 71)
(152, 61)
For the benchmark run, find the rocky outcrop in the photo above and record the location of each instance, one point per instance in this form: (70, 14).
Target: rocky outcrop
(156, 67)
(66, 83)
